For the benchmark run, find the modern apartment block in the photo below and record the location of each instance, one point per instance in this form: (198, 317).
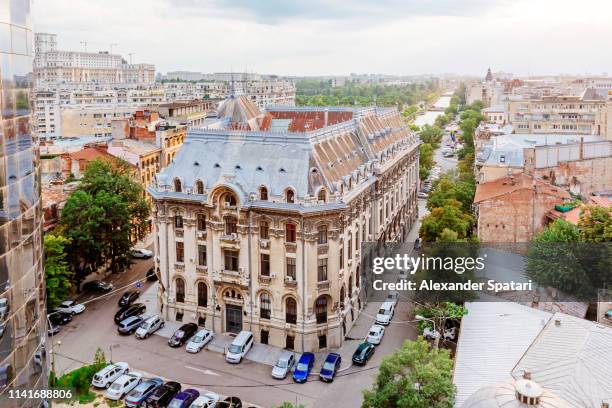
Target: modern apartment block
(259, 220)
(23, 358)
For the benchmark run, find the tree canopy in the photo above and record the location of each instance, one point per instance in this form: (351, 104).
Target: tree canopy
(415, 376)
(57, 273)
(104, 217)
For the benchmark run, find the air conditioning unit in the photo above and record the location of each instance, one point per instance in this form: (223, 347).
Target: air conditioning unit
(264, 243)
(241, 269)
(289, 279)
(201, 235)
(272, 275)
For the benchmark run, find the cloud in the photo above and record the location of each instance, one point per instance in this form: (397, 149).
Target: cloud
(312, 37)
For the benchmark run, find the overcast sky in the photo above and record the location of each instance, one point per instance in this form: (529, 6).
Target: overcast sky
(314, 37)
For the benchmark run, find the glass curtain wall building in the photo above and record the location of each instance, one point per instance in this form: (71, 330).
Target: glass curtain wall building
(23, 364)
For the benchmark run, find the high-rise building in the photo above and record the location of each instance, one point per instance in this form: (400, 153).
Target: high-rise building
(23, 362)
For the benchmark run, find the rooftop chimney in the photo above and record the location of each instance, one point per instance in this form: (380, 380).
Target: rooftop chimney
(527, 375)
(557, 322)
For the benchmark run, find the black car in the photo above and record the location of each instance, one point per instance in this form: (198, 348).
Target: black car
(98, 286)
(183, 334)
(134, 310)
(128, 298)
(232, 402)
(363, 353)
(163, 395)
(151, 275)
(57, 317)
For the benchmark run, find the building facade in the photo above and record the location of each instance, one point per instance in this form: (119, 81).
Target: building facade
(261, 230)
(23, 361)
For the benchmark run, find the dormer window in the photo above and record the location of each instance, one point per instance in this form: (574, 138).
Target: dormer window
(322, 196)
(177, 185)
(290, 196)
(263, 193)
(199, 187)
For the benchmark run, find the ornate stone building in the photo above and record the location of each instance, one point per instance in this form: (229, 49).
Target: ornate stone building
(260, 220)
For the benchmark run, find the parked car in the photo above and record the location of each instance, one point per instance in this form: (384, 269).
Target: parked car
(72, 307)
(283, 365)
(162, 396)
(232, 402)
(422, 194)
(98, 286)
(376, 334)
(184, 398)
(130, 325)
(198, 341)
(141, 253)
(128, 298)
(57, 317)
(240, 347)
(150, 326)
(207, 400)
(449, 333)
(4, 307)
(142, 391)
(363, 353)
(182, 335)
(330, 367)
(417, 243)
(106, 376)
(134, 310)
(385, 313)
(53, 329)
(304, 365)
(392, 296)
(122, 385)
(151, 275)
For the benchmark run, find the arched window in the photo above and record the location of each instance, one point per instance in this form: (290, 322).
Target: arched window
(291, 311)
(202, 294)
(342, 295)
(350, 286)
(230, 200)
(322, 196)
(180, 290)
(290, 232)
(290, 196)
(177, 185)
(199, 187)
(321, 309)
(263, 193)
(264, 305)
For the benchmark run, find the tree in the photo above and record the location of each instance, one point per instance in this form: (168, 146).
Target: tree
(415, 376)
(105, 217)
(57, 273)
(446, 190)
(449, 216)
(439, 313)
(595, 224)
(426, 161)
(431, 135)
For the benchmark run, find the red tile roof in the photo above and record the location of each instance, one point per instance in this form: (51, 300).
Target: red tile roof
(88, 154)
(508, 185)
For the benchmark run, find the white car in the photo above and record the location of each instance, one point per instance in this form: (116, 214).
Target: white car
(376, 334)
(72, 307)
(198, 341)
(283, 365)
(123, 385)
(207, 400)
(150, 326)
(141, 253)
(422, 194)
(392, 296)
(449, 334)
(385, 313)
(4, 307)
(106, 376)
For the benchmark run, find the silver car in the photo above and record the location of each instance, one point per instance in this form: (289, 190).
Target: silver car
(150, 326)
(283, 365)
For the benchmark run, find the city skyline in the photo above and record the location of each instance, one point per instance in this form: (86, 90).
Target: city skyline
(318, 39)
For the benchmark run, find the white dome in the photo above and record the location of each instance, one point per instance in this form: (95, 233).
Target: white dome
(508, 395)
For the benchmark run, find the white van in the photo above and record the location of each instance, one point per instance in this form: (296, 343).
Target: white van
(385, 313)
(239, 347)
